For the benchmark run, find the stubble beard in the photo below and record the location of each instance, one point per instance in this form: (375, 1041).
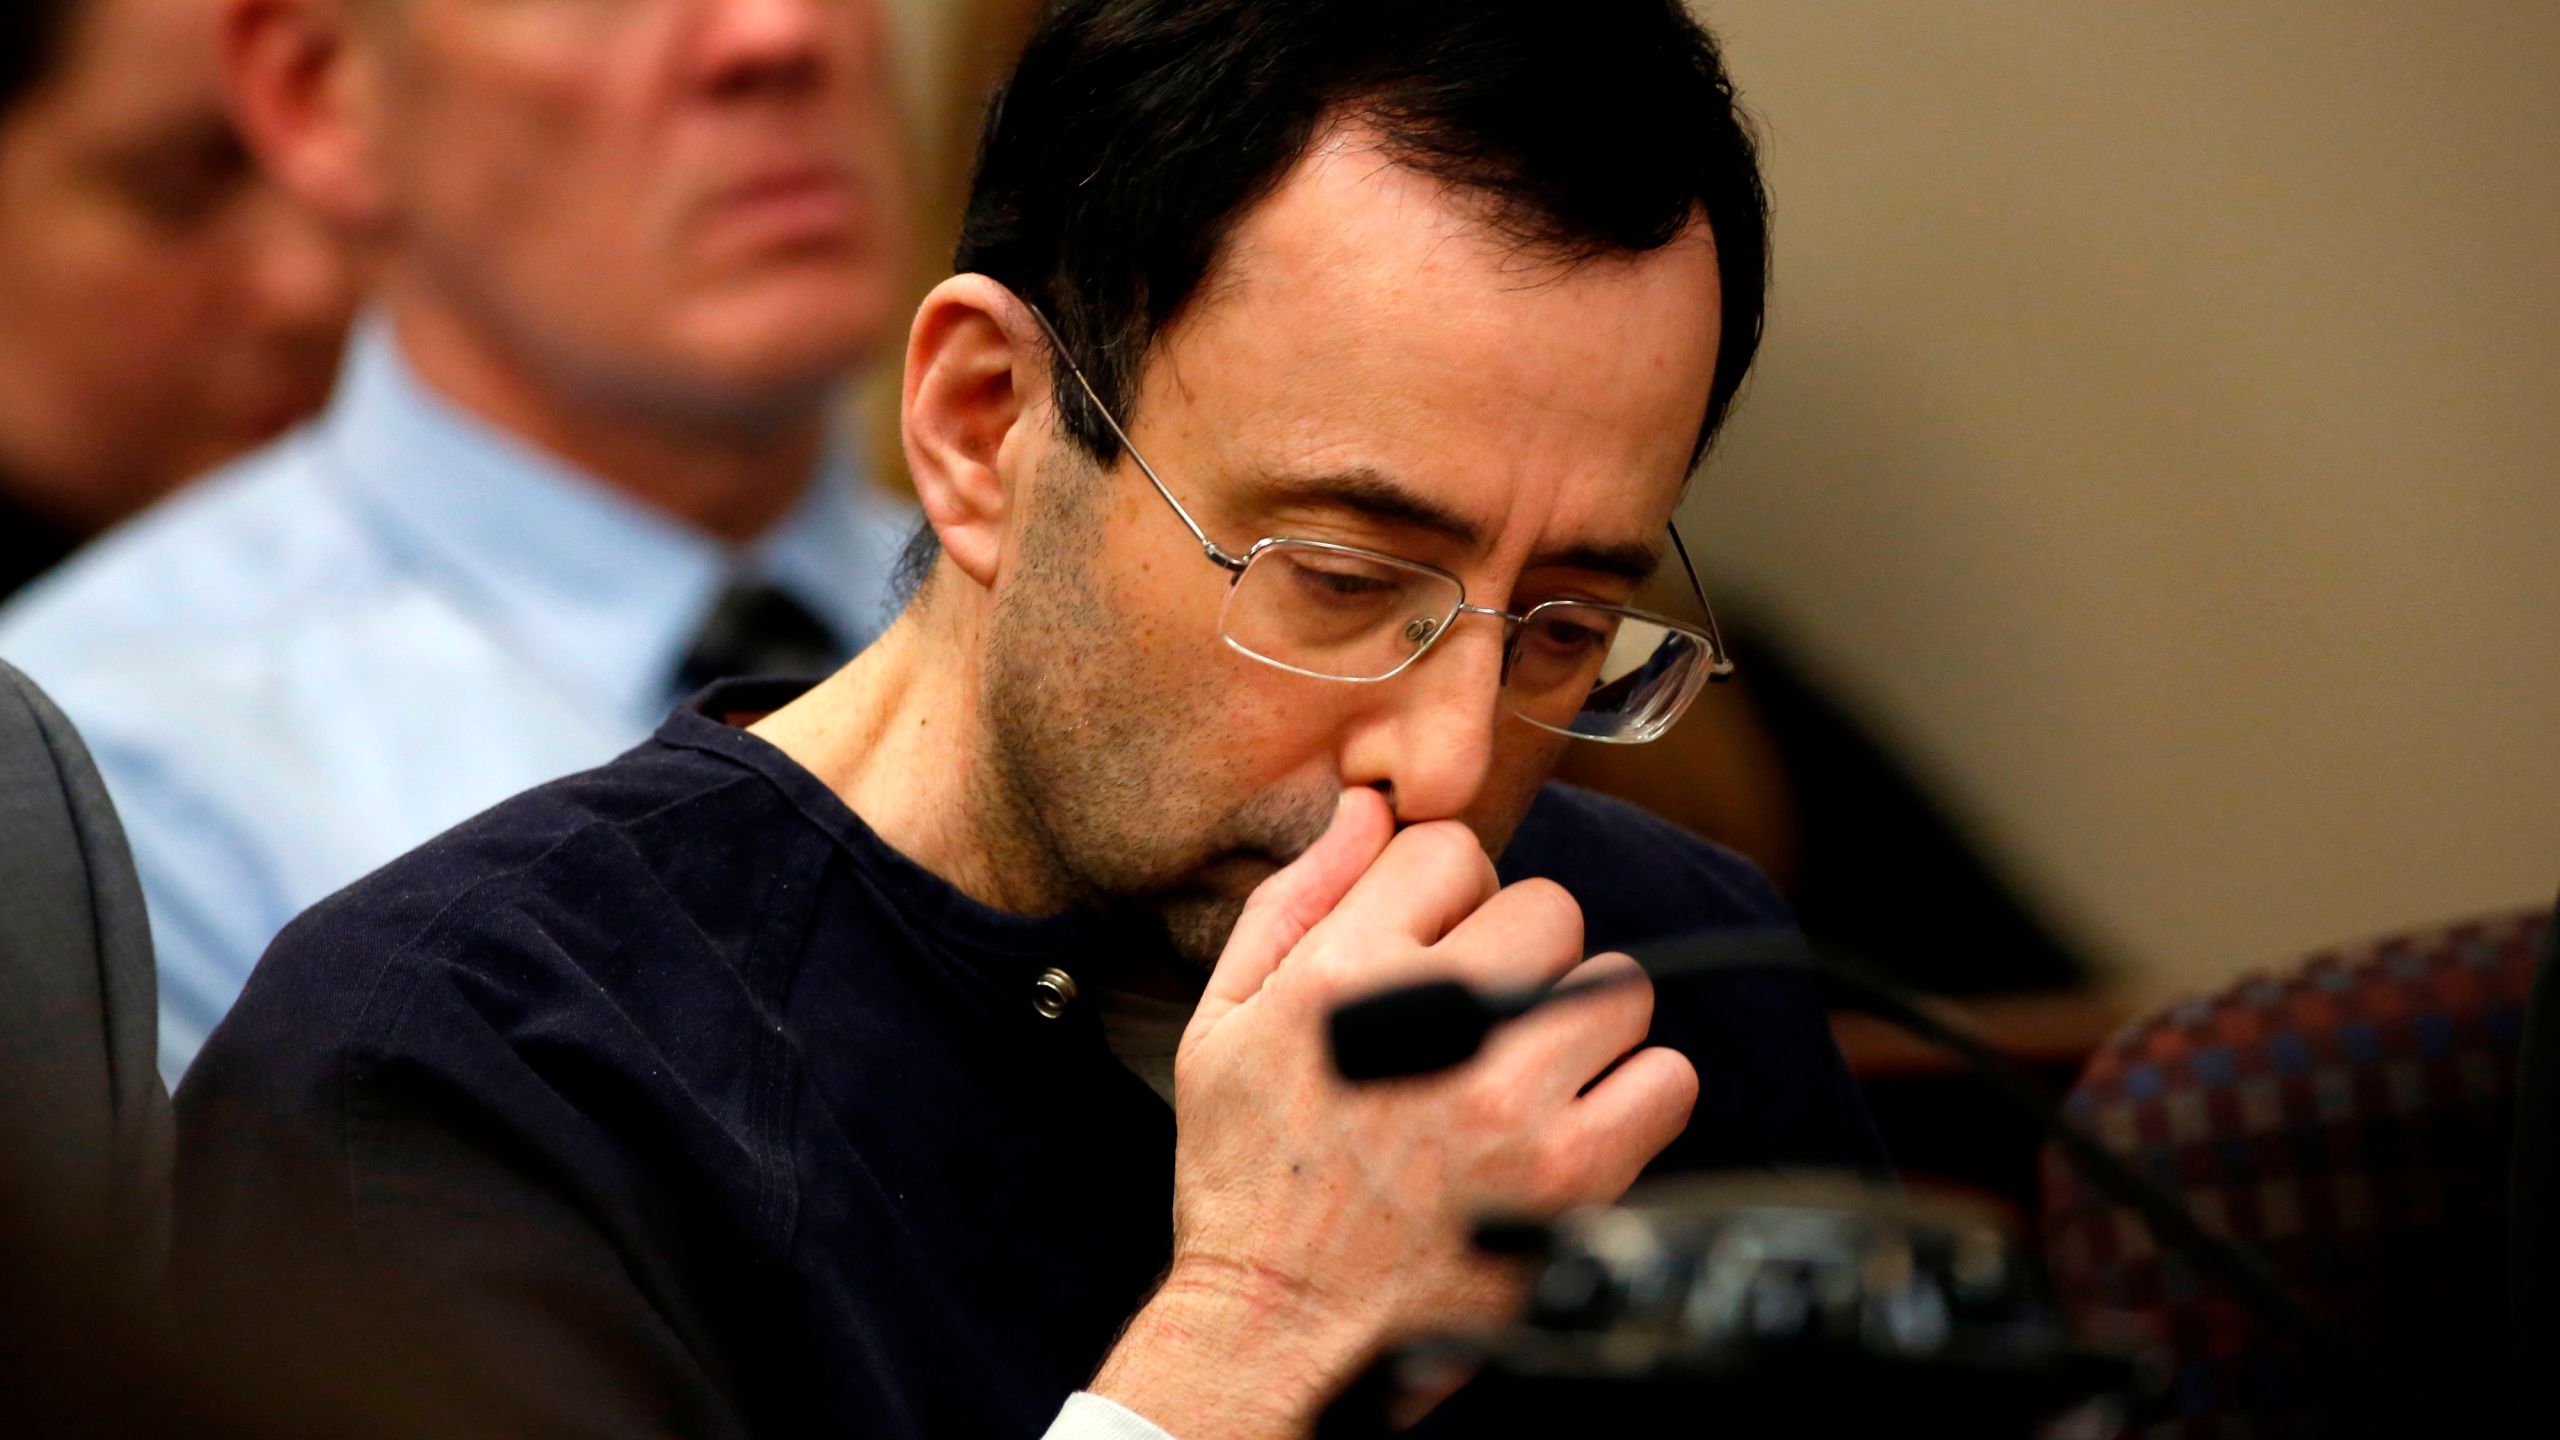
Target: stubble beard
(1098, 777)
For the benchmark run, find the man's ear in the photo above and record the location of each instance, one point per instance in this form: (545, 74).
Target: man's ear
(975, 367)
(304, 82)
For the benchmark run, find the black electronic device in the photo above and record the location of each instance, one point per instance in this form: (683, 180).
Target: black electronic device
(1750, 1307)
(1859, 1306)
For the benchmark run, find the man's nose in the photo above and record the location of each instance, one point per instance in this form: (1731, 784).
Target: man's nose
(1429, 737)
(748, 45)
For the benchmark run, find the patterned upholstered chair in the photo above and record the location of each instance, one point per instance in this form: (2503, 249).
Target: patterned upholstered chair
(2349, 1119)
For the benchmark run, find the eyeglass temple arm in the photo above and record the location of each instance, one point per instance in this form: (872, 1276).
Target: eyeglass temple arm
(1720, 664)
(1058, 344)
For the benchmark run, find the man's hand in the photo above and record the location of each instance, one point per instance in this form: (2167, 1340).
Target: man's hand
(1314, 1220)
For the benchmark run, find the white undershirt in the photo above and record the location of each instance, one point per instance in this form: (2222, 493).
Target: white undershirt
(1088, 1416)
(1143, 1033)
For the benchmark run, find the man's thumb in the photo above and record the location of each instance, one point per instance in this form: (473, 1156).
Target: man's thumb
(1285, 907)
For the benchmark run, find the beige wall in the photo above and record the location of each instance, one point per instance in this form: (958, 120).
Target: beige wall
(2157, 430)
(2160, 427)
(925, 33)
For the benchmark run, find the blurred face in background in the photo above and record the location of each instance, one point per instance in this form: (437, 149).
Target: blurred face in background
(680, 203)
(161, 308)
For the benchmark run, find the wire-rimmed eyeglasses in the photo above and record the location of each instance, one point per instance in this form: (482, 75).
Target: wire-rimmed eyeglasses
(1345, 612)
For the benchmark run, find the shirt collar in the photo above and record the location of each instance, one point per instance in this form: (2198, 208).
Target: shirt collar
(999, 943)
(585, 582)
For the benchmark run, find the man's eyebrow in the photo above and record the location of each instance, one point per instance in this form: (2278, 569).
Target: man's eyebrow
(1378, 496)
(1632, 561)
(1372, 493)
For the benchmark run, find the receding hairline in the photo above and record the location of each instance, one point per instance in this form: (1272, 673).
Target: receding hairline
(1482, 214)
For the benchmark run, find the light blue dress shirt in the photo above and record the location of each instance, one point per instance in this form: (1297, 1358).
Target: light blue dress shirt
(374, 628)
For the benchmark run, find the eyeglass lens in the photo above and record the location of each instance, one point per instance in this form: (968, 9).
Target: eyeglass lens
(1341, 614)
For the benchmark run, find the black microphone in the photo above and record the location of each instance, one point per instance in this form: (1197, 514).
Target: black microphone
(1419, 1029)
(1432, 1025)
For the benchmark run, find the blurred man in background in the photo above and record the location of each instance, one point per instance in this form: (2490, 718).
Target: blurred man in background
(581, 459)
(161, 306)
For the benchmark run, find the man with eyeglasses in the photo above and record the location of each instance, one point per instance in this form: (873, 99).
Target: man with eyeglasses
(936, 1049)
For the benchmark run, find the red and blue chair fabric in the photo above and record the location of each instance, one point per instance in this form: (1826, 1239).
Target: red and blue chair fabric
(2350, 1120)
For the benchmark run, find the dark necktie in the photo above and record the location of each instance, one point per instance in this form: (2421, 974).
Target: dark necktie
(756, 628)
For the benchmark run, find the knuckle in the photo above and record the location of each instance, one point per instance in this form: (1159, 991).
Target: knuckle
(1674, 1085)
(1446, 844)
(1680, 1080)
(1551, 909)
(1640, 998)
(1492, 1109)
(1558, 1177)
(1327, 970)
(1622, 1021)
(1615, 963)
(1630, 986)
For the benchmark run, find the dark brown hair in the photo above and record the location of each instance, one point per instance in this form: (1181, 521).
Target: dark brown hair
(30, 42)
(1134, 134)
